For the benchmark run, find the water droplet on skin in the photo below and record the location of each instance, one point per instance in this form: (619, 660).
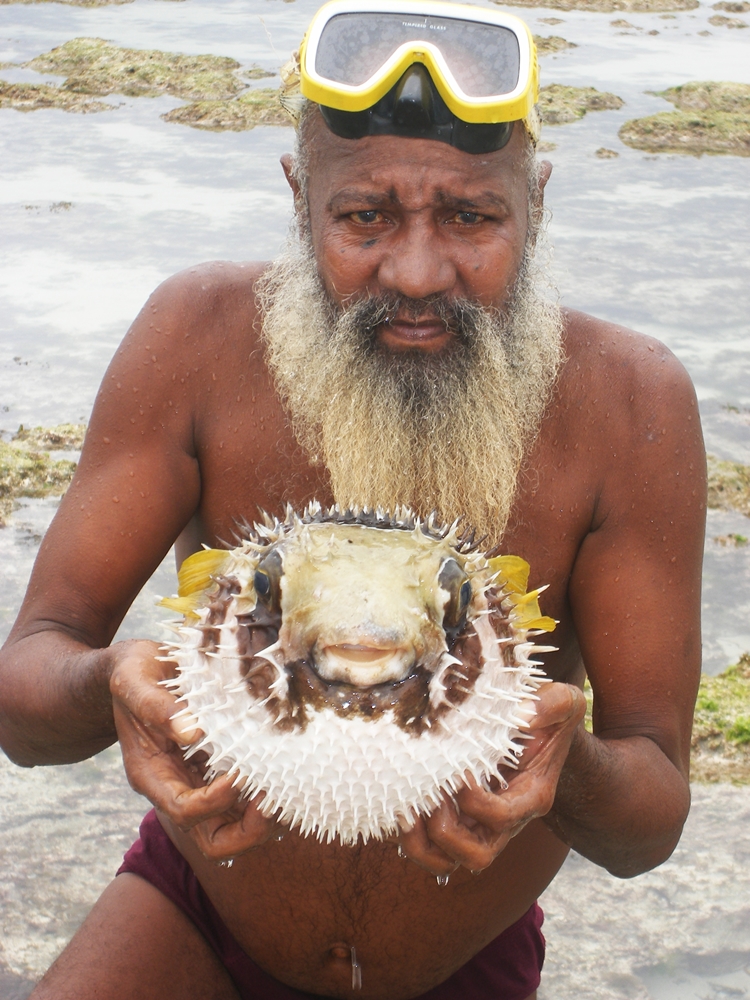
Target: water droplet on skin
(442, 880)
(401, 851)
(279, 836)
(356, 972)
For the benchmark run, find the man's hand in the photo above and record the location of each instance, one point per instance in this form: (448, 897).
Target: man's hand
(152, 753)
(485, 821)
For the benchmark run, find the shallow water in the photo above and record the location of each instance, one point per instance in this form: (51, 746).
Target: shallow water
(96, 210)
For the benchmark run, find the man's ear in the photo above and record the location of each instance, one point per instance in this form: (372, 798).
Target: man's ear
(545, 169)
(536, 200)
(287, 165)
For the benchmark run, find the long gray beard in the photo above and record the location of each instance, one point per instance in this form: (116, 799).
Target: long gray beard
(446, 432)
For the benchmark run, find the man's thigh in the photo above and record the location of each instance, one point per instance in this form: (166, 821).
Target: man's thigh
(135, 943)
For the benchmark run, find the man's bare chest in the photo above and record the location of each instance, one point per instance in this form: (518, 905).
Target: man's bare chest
(250, 462)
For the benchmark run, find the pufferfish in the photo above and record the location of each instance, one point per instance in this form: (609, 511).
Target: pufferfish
(355, 666)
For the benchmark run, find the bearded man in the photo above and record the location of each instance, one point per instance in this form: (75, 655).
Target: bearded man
(400, 350)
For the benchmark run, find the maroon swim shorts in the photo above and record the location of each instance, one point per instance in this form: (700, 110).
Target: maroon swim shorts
(508, 968)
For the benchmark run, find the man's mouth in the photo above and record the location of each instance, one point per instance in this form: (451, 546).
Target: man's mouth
(424, 333)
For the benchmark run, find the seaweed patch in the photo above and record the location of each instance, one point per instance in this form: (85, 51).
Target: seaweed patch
(728, 485)
(560, 104)
(96, 67)
(721, 729)
(607, 6)
(72, 3)
(26, 468)
(35, 96)
(721, 21)
(711, 117)
(254, 107)
(549, 44)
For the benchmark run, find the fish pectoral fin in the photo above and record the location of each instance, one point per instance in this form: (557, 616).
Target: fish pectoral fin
(512, 573)
(198, 571)
(196, 575)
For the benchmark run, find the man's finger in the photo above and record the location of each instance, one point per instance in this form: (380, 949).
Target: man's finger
(474, 848)
(528, 797)
(226, 837)
(417, 846)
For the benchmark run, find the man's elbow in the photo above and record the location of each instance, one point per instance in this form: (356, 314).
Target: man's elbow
(645, 857)
(14, 748)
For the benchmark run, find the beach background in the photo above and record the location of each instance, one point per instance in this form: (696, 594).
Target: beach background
(96, 209)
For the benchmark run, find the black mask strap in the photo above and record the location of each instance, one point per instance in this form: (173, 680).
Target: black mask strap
(414, 109)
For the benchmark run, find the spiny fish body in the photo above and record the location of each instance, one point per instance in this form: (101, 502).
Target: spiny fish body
(355, 667)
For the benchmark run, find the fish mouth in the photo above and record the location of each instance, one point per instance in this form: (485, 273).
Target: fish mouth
(364, 665)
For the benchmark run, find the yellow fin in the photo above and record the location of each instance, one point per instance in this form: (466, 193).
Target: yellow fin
(513, 578)
(195, 577)
(513, 572)
(182, 605)
(527, 614)
(197, 572)
(544, 623)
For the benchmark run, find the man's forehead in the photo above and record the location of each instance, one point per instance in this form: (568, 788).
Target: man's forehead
(386, 166)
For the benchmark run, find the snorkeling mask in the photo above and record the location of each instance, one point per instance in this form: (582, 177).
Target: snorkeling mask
(452, 72)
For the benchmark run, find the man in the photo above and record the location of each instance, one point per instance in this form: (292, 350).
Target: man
(399, 351)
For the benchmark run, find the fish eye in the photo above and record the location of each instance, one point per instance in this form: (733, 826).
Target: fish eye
(267, 580)
(457, 585)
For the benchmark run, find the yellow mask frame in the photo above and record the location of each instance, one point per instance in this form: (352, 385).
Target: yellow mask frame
(514, 105)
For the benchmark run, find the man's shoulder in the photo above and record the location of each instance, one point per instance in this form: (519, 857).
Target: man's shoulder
(216, 284)
(609, 364)
(208, 308)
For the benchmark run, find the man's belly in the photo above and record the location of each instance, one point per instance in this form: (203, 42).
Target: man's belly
(298, 908)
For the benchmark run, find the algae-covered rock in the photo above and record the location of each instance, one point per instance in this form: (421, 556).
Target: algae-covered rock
(711, 118)
(62, 437)
(728, 486)
(33, 96)
(94, 66)
(606, 6)
(560, 104)
(257, 72)
(71, 3)
(733, 6)
(26, 470)
(254, 107)
(733, 540)
(548, 44)
(721, 728)
(720, 21)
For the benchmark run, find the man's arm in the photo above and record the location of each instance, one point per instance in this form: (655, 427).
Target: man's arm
(635, 594)
(136, 486)
(620, 797)
(64, 692)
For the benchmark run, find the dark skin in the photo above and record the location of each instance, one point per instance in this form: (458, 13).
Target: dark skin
(188, 436)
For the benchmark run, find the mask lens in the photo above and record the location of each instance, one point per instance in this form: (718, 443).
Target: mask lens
(483, 58)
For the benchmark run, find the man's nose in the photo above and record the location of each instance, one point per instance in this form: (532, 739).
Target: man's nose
(416, 264)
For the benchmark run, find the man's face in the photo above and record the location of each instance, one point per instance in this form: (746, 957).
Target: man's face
(417, 218)
(404, 329)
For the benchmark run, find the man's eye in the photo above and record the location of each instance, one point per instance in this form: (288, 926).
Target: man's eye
(367, 217)
(468, 218)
